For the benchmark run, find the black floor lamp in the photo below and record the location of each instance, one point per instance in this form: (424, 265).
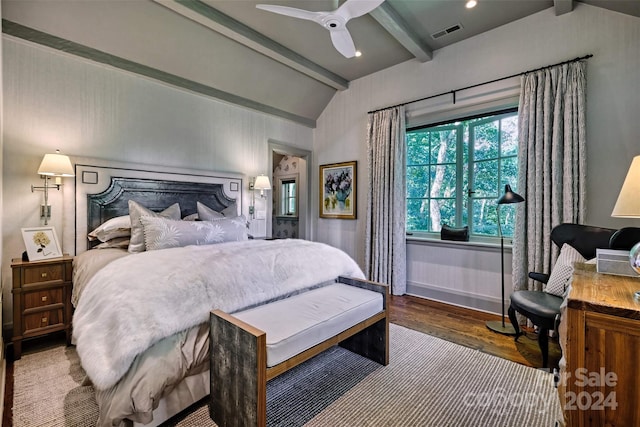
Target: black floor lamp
(507, 198)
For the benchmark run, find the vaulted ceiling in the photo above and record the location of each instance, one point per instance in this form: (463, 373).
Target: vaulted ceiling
(232, 51)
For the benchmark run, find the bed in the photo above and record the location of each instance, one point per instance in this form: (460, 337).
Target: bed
(141, 320)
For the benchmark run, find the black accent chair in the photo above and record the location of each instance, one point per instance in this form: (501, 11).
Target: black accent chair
(625, 238)
(541, 308)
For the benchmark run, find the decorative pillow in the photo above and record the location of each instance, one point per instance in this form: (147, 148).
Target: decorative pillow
(230, 211)
(562, 270)
(137, 211)
(118, 242)
(192, 217)
(205, 213)
(161, 233)
(119, 226)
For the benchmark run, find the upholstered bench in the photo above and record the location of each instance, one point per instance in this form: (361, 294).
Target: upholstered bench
(250, 347)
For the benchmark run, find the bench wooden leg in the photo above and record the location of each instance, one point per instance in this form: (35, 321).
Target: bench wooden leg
(372, 342)
(239, 356)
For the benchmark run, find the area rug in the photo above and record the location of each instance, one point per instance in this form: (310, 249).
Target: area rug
(429, 382)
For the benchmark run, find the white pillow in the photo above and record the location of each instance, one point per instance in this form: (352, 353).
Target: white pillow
(118, 243)
(563, 270)
(119, 226)
(137, 211)
(161, 233)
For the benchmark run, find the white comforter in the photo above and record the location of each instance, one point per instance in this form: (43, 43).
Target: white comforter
(137, 300)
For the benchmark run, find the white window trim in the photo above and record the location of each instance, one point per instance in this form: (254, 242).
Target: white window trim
(486, 98)
(482, 99)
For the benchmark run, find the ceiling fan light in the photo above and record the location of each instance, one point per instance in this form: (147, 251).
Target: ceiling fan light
(471, 4)
(358, 53)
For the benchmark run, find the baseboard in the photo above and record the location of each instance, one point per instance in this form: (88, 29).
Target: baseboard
(455, 297)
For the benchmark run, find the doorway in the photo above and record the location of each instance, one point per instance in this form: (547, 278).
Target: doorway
(291, 178)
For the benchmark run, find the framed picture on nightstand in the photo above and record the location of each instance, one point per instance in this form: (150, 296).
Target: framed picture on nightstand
(41, 243)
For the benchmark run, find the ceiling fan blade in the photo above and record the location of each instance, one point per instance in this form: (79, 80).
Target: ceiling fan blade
(291, 11)
(354, 8)
(343, 42)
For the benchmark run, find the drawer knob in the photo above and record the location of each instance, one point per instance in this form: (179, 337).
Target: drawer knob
(44, 275)
(44, 320)
(44, 299)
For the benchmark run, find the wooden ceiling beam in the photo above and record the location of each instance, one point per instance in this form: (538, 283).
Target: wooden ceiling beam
(223, 24)
(391, 21)
(562, 6)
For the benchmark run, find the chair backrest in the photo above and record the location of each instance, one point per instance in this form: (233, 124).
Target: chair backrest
(583, 238)
(625, 238)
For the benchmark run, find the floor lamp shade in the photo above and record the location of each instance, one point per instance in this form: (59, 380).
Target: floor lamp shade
(508, 197)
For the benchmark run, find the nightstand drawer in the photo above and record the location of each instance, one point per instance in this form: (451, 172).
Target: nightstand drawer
(42, 298)
(44, 273)
(33, 322)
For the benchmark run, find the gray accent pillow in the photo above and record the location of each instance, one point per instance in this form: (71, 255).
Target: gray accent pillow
(205, 213)
(230, 211)
(136, 212)
(161, 233)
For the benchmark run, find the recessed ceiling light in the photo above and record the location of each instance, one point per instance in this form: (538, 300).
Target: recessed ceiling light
(358, 53)
(471, 4)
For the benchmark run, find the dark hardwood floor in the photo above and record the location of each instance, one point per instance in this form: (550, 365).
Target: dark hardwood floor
(467, 327)
(460, 325)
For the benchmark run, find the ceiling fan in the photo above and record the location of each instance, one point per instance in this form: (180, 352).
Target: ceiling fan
(335, 21)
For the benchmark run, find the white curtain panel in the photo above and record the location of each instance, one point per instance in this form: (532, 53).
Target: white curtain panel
(385, 254)
(552, 165)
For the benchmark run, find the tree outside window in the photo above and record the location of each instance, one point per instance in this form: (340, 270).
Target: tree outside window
(457, 170)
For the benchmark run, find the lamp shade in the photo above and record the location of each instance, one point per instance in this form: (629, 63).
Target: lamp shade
(509, 196)
(56, 165)
(262, 183)
(628, 203)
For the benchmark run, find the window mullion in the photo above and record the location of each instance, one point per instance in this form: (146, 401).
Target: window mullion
(460, 193)
(471, 178)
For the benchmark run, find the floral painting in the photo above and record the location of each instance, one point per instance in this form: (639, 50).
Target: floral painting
(338, 190)
(41, 243)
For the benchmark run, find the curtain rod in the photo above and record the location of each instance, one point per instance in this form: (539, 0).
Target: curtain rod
(453, 92)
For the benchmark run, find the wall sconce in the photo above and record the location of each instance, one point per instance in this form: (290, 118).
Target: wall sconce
(261, 182)
(53, 165)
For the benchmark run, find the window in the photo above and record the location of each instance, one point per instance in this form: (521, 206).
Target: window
(457, 170)
(288, 196)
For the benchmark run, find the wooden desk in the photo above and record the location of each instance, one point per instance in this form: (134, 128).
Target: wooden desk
(600, 339)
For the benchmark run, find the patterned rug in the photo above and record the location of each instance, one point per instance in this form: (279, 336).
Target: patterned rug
(429, 382)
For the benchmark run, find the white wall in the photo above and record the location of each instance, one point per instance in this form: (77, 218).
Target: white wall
(613, 128)
(53, 100)
(2, 358)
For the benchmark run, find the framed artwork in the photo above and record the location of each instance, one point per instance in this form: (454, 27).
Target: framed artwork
(338, 190)
(41, 243)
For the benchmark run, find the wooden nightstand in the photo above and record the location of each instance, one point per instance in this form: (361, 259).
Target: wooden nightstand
(41, 299)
